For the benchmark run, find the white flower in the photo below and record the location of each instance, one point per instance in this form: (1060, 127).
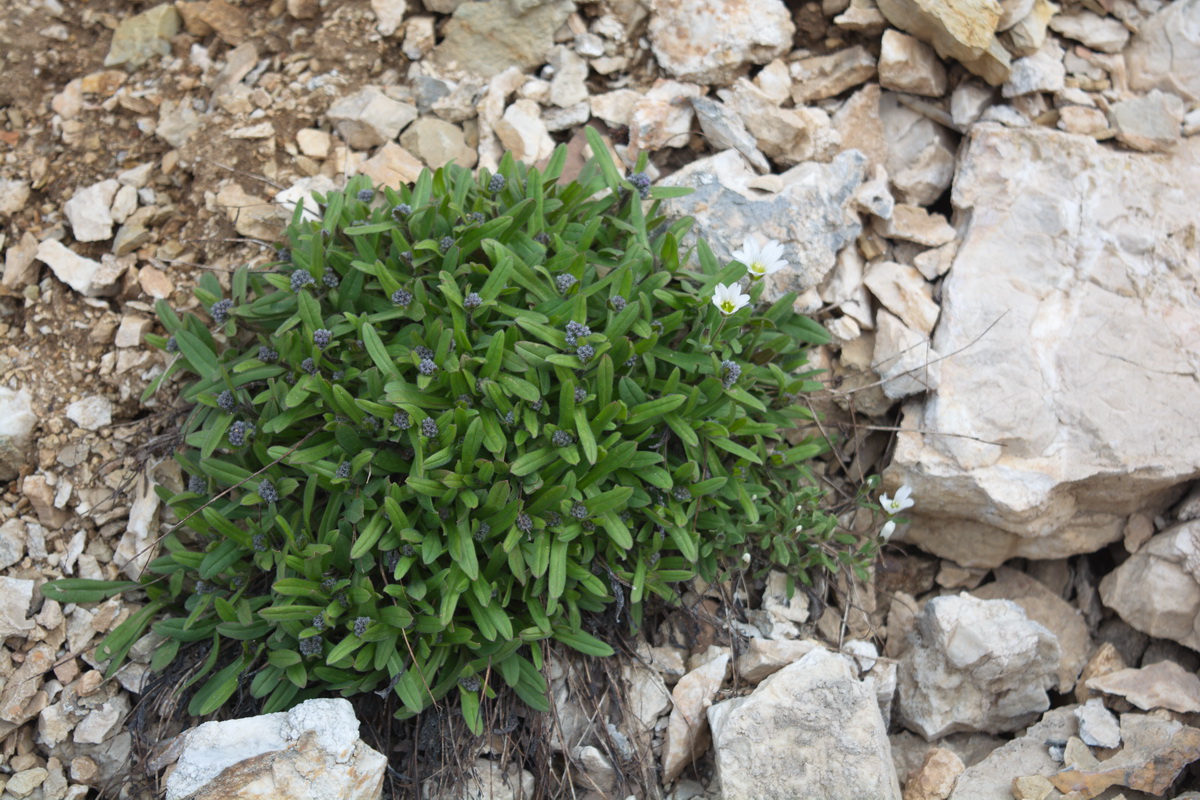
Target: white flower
(761, 260)
(888, 529)
(901, 501)
(745, 558)
(729, 298)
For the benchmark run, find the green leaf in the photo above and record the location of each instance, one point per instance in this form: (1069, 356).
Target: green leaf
(84, 590)
(583, 642)
(378, 352)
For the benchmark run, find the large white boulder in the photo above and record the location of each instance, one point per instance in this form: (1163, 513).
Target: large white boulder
(1067, 398)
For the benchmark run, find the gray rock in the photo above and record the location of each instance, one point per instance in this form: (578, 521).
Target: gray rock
(991, 778)
(16, 594)
(427, 91)
(16, 431)
(810, 730)
(13, 196)
(903, 358)
(1150, 123)
(1165, 53)
(488, 38)
(89, 213)
(1170, 559)
(177, 122)
(725, 129)
(311, 751)
(567, 87)
(12, 541)
(562, 119)
(89, 278)
(1075, 242)
(143, 37)
(1106, 34)
(975, 665)
(369, 118)
(92, 413)
(921, 153)
(437, 142)
(716, 41)
(807, 215)
(1098, 727)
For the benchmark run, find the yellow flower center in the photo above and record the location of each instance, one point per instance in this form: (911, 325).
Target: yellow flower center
(728, 307)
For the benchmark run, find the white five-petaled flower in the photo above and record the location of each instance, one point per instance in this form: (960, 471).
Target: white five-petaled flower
(761, 260)
(729, 298)
(888, 529)
(902, 500)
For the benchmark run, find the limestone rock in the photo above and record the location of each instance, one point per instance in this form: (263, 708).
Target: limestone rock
(251, 215)
(89, 278)
(388, 15)
(976, 665)
(904, 292)
(1044, 606)
(663, 116)
(437, 143)
(688, 733)
(1105, 267)
(88, 211)
(1082, 120)
(1161, 685)
(1165, 53)
(936, 776)
(487, 38)
(968, 101)
(1105, 34)
(725, 129)
(991, 778)
(12, 535)
(819, 77)
(903, 358)
(909, 65)
(859, 126)
(1172, 558)
(177, 122)
(13, 196)
(522, 131)
(17, 421)
(787, 136)
(839, 751)
(369, 118)
(1150, 123)
(1041, 72)
(143, 36)
(568, 87)
(764, 657)
(1028, 35)
(959, 29)
(91, 413)
(616, 107)
(15, 596)
(807, 215)
(716, 41)
(920, 155)
(311, 751)
(915, 224)
(1155, 752)
(1098, 727)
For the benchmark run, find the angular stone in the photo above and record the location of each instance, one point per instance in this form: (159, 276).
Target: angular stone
(935, 777)
(995, 65)
(991, 778)
(725, 129)
(15, 596)
(976, 665)
(1155, 752)
(904, 292)
(252, 216)
(143, 36)
(1057, 615)
(314, 143)
(765, 657)
(808, 215)
(14, 195)
(688, 733)
(1031, 787)
(388, 15)
(616, 107)
(968, 101)
(1165, 53)
(663, 116)
(909, 65)
(820, 77)
(91, 413)
(25, 782)
(959, 29)
(17, 422)
(177, 122)
(1098, 727)
(716, 41)
(1161, 685)
(859, 126)
(369, 118)
(1172, 558)
(487, 38)
(840, 751)
(311, 751)
(775, 82)
(89, 278)
(568, 86)
(437, 143)
(562, 119)
(1082, 120)
(1076, 243)
(88, 211)
(1041, 72)
(903, 358)
(1105, 34)
(787, 136)
(522, 131)
(915, 224)
(920, 155)
(1151, 123)
(1028, 35)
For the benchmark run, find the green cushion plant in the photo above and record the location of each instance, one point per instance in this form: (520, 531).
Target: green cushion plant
(456, 420)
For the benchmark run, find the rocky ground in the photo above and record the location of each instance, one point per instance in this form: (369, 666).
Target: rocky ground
(991, 206)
